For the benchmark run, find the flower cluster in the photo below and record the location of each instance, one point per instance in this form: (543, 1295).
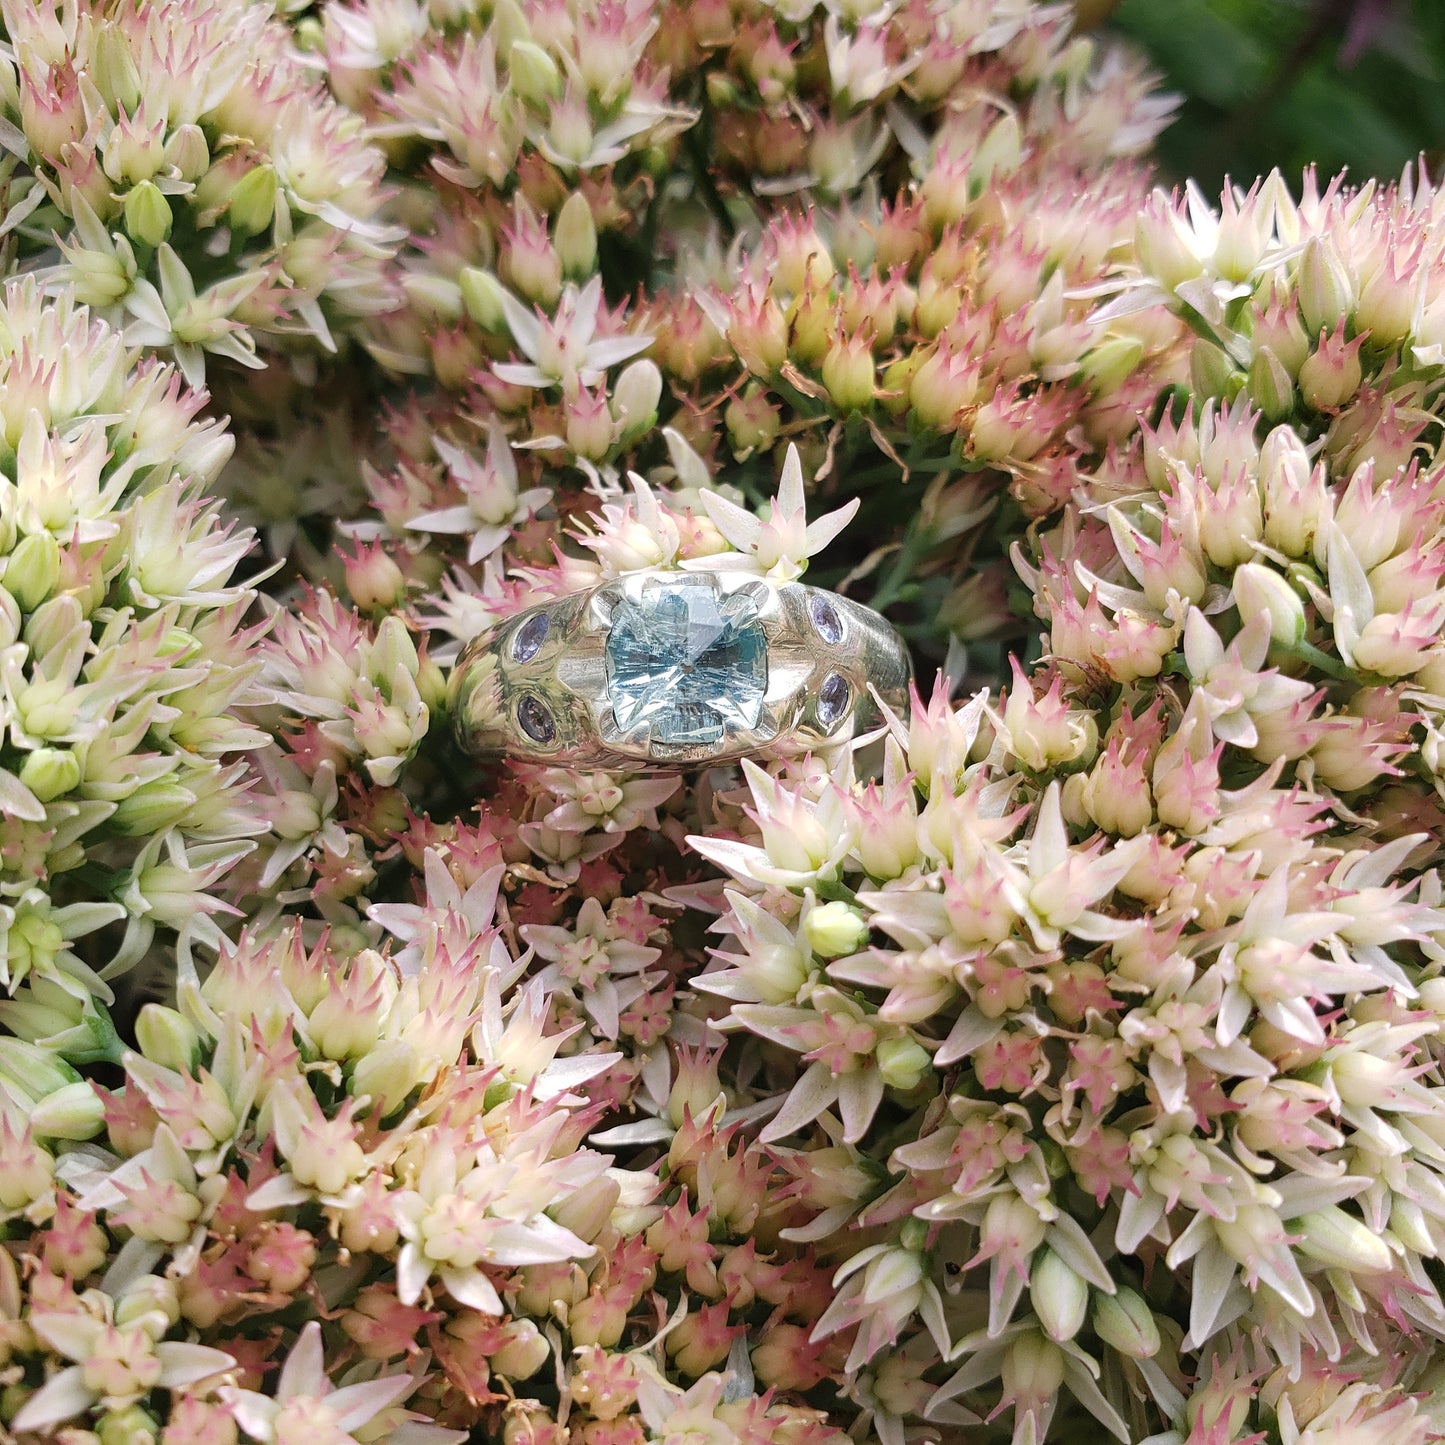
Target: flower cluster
(1059, 1063)
(182, 172)
(124, 652)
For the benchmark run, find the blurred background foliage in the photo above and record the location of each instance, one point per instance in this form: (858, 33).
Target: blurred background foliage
(1357, 84)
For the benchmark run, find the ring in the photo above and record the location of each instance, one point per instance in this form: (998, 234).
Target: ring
(671, 669)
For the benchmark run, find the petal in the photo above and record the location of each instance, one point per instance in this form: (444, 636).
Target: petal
(472, 1288)
(57, 1399)
(304, 1372)
(354, 1405)
(736, 523)
(184, 1364)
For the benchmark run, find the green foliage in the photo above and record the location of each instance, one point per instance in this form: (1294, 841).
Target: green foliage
(1338, 84)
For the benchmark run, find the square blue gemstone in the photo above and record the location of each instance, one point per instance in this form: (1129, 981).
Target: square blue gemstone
(686, 661)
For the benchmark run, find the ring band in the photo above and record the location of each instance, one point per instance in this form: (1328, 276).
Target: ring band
(672, 669)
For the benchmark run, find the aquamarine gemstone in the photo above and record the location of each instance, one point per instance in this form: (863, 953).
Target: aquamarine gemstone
(686, 661)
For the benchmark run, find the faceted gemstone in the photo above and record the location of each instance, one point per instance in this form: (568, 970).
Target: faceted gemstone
(833, 698)
(686, 661)
(528, 639)
(825, 618)
(535, 720)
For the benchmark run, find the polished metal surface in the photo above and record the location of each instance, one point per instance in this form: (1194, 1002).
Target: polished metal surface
(539, 691)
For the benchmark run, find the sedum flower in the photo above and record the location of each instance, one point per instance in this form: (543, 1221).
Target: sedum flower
(779, 546)
(115, 1365)
(307, 1407)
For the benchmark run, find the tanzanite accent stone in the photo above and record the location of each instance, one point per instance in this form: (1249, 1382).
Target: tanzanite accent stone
(527, 640)
(686, 661)
(833, 698)
(826, 622)
(534, 719)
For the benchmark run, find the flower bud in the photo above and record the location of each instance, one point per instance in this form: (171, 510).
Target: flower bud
(534, 74)
(945, 382)
(481, 295)
(147, 213)
(1331, 375)
(1269, 385)
(833, 929)
(759, 335)
(1279, 328)
(387, 1074)
(1111, 363)
(575, 237)
(253, 201)
(589, 426)
(1340, 1241)
(74, 1112)
(1326, 294)
(1125, 1321)
(1296, 502)
(33, 570)
(1032, 1368)
(49, 772)
(522, 1352)
(167, 1037)
(1060, 1297)
(848, 372)
(129, 1426)
(187, 153)
(1212, 373)
(752, 421)
(152, 808)
(903, 1063)
(1260, 589)
(152, 1299)
(635, 399)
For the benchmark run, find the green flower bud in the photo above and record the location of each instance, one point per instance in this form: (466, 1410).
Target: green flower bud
(33, 570)
(534, 74)
(575, 237)
(152, 808)
(635, 399)
(388, 1074)
(74, 1112)
(1340, 1241)
(481, 292)
(130, 1426)
(167, 1037)
(49, 772)
(1270, 386)
(833, 929)
(1212, 373)
(903, 1063)
(1111, 363)
(1326, 293)
(147, 213)
(150, 1299)
(68, 1030)
(1125, 1321)
(1060, 1297)
(33, 1072)
(1260, 589)
(253, 201)
(113, 69)
(187, 153)
(848, 372)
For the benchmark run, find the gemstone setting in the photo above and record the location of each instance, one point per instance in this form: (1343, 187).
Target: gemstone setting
(527, 640)
(534, 719)
(833, 699)
(686, 661)
(825, 619)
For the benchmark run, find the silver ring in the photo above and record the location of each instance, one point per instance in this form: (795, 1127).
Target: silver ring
(674, 669)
